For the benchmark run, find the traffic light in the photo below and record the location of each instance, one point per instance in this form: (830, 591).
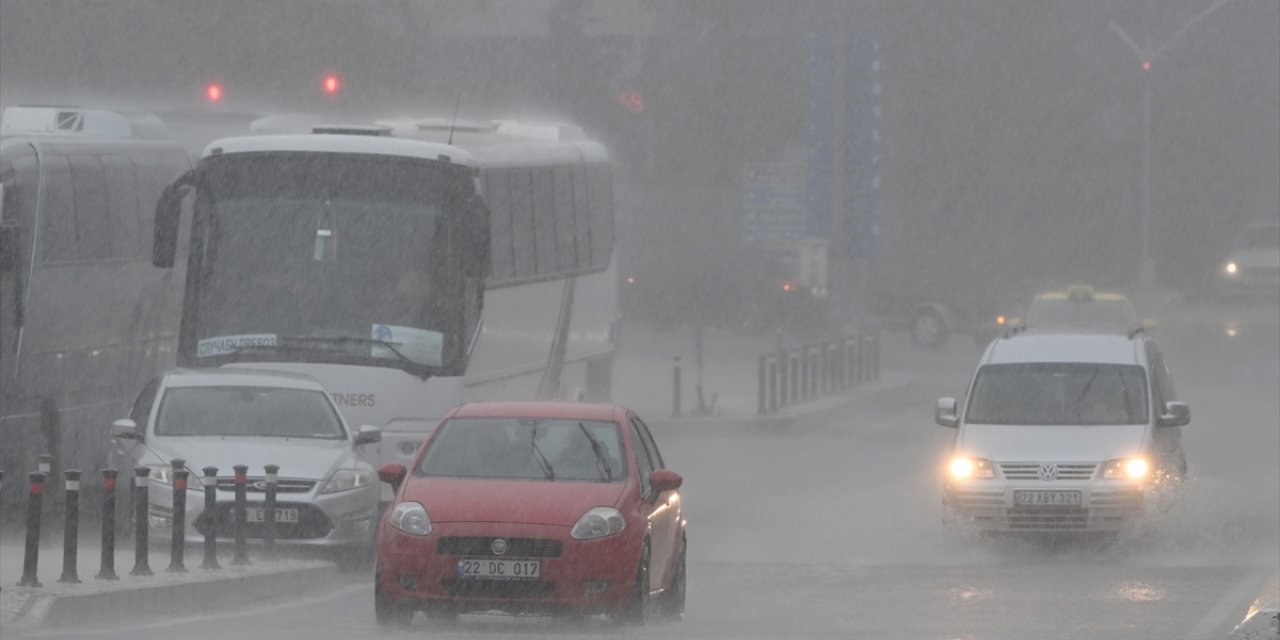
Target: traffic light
(1146, 65)
(331, 84)
(213, 92)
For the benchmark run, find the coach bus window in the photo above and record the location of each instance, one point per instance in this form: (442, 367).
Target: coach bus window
(566, 250)
(498, 197)
(93, 222)
(58, 217)
(544, 221)
(582, 217)
(600, 198)
(122, 203)
(522, 223)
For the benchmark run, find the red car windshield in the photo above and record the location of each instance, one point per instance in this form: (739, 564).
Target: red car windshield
(526, 449)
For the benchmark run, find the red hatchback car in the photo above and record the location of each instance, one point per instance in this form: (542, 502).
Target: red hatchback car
(535, 507)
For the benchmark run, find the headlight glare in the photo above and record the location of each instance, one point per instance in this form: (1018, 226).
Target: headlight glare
(411, 518)
(347, 479)
(964, 468)
(1232, 268)
(161, 473)
(1126, 468)
(598, 523)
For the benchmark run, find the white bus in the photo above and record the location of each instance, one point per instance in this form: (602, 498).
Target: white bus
(407, 267)
(84, 316)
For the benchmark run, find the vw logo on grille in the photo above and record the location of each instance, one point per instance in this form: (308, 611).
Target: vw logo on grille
(499, 546)
(1048, 471)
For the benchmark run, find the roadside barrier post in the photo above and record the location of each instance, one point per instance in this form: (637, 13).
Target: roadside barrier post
(761, 386)
(177, 544)
(108, 569)
(71, 528)
(210, 519)
(675, 389)
(241, 556)
(31, 557)
(269, 513)
(773, 385)
(141, 497)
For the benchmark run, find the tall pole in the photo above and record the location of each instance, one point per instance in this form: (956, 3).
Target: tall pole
(1146, 270)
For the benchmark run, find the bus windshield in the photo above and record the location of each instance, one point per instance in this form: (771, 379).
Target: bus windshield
(337, 256)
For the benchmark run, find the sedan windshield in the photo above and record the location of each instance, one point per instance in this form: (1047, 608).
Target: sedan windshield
(267, 412)
(1059, 394)
(526, 449)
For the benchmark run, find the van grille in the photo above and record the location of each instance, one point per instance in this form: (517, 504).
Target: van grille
(1031, 470)
(1053, 518)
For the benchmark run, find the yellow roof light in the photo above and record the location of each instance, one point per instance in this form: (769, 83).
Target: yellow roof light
(1080, 292)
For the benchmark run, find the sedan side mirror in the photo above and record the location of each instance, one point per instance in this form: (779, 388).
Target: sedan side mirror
(368, 434)
(392, 473)
(665, 480)
(1176, 414)
(945, 413)
(125, 429)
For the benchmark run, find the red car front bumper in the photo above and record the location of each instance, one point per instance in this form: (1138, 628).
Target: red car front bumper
(583, 575)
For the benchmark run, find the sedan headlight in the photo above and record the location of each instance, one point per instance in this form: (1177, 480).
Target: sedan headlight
(598, 523)
(1126, 468)
(411, 518)
(347, 479)
(965, 468)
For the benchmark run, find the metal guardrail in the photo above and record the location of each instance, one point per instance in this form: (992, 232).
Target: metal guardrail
(792, 376)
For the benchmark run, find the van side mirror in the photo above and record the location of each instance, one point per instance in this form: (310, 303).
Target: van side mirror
(125, 429)
(164, 246)
(1176, 414)
(368, 434)
(945, 413)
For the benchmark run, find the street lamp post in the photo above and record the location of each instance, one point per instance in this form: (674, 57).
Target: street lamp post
(1147, 55)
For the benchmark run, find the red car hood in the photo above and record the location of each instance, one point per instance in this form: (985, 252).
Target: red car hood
(517, 501)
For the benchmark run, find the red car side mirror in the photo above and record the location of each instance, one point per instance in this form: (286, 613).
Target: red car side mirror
(665, 480)
(392, 473)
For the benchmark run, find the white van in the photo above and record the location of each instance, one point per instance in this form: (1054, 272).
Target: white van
(1063, 432)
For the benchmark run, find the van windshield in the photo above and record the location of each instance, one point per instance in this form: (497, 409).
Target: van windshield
(1059, 394)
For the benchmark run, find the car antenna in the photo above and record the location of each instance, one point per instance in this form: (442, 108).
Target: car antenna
(454, 123)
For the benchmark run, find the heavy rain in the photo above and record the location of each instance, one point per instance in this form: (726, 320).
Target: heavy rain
(621, 318)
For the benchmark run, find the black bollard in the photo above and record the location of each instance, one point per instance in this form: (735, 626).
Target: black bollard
(269, 513)
(141, 497)
(108, 569)
(210, 519)
(31, 558)
(177, 544)
(71, 528)
(241, 556)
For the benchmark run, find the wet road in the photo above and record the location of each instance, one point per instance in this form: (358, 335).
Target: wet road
(835, 531)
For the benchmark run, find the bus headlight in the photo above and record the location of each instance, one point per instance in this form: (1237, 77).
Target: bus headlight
(965, 468)
(1126, 468)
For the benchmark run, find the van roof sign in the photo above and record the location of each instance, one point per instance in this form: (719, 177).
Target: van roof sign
(72, 120)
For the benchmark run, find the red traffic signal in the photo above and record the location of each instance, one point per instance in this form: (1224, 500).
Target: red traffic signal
(213, 92)
(1146, 65)
(331, 84)
(632, 100)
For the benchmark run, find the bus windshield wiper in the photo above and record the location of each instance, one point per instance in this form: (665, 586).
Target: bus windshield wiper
(341, 340)
(600, 457)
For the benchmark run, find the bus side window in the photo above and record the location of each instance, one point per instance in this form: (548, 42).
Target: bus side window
(58, 217)
(566, 249)
(582, 217)
(522, 223)
(502, 252)
(93, 220)
(600, 200)
(544, 221)
(122, 202)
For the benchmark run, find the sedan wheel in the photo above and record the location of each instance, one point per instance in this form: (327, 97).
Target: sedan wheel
(636, 610)
(673, 598)
(388, 613)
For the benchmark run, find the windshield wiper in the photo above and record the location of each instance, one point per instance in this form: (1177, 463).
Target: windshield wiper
(341, 340)
(547, 469)
(600, 457)
(314, 344)
(1084, 392)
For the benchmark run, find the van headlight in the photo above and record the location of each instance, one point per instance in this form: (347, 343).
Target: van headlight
(411, 518)
(598, 523)
(1126, 468)
(1231, 268)
(966, 468)
(347, 479)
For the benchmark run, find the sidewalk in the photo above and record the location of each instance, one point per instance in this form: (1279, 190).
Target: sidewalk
(163, 594)
(643, 380)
